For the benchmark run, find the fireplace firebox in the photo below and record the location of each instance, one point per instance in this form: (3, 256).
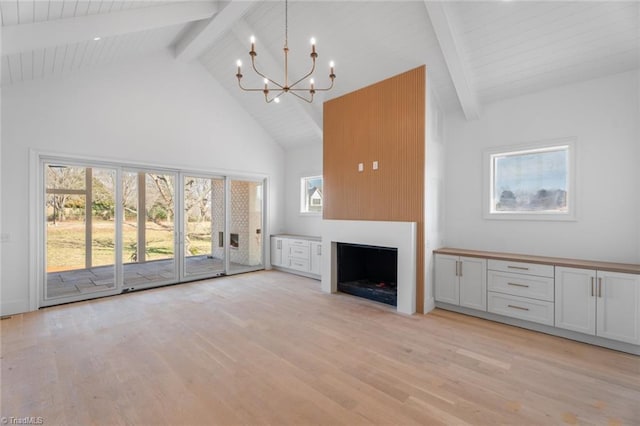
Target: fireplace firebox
(368, 271)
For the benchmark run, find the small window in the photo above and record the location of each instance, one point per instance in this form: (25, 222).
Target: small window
(531, 182)
(311, 195)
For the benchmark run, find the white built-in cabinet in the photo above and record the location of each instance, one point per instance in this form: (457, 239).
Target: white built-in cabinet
(600, 303)
(461, 281)
(297, 254)
(590, 301)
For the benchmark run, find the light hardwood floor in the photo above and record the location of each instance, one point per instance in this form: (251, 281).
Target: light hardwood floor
(270, 348)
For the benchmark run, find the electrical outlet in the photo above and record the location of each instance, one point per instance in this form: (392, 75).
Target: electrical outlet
(361, 167)
(375, 165)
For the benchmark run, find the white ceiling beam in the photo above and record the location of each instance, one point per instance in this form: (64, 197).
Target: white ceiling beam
(451, 49)
(242, 30)
(205, 33)
(27, 37)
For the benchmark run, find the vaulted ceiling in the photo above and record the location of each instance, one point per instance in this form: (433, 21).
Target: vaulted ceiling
(476, 52)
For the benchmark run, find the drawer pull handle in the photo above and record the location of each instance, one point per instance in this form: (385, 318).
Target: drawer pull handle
(522, 268)
(519, 285)
(592, 290)
(518, 307)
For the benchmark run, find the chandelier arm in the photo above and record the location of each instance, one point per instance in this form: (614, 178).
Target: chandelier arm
(313, 68)
(266, 98)
(302, 97)
(246, 89)
(326, 89)
(253, 64)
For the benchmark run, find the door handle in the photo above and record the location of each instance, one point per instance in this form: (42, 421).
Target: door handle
(599, 287)
(592, 287)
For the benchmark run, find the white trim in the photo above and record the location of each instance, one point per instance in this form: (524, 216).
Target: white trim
(487, 187)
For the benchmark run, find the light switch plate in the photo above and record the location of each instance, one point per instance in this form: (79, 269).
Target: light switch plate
(361, 167)
(375, 165)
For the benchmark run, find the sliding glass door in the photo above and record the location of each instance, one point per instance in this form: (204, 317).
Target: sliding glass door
(148, 229)
(204, 226)
(80, 231)
(109, 228)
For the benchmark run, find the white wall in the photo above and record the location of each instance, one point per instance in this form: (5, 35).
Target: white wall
(434, 184)
(154, 110)
(603, 115)
(303, 161)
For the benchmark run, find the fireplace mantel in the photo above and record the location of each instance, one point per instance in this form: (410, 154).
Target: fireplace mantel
(400, 235)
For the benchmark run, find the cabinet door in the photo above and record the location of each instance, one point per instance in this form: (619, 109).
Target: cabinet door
(575, 303)
(472, 274)
(316, 257)
(447, 286)
(618, 306)
(276, 251)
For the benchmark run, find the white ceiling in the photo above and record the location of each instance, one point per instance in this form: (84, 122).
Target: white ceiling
(476, 52)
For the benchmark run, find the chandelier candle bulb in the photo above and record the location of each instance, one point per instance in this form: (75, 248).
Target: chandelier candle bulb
(313, 45)
(253, 43)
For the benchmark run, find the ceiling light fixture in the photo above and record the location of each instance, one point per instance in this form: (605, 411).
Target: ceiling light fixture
(278, 89)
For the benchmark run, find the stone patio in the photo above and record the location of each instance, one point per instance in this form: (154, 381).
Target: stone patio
(101, 278)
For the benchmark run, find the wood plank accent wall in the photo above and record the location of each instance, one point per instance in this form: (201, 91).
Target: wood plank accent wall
(384, 122)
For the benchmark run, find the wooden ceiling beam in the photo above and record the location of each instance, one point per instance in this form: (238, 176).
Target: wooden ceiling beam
(207, 32)
(453, 54)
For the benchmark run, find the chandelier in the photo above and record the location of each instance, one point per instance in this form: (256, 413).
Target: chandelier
(272, 89)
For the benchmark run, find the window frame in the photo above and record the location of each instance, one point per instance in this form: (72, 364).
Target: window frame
(540, 146)
(303, 209)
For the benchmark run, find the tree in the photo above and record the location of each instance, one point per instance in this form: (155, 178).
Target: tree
(60, 178)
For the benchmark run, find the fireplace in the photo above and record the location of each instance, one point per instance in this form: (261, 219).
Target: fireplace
(368, 271)
(397, 235)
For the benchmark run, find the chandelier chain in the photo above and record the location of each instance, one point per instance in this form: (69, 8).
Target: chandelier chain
(286, 23)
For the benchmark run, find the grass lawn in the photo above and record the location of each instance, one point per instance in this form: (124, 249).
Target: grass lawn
(66, 242)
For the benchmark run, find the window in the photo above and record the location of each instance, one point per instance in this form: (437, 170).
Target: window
(311, 195)
(531, 182)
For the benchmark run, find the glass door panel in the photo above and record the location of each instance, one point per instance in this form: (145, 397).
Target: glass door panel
(148, 231)
(80, 249)
(203, 226)
(245, 226)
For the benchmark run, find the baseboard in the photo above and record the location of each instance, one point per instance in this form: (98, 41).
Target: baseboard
(293, 271)
(14, 307)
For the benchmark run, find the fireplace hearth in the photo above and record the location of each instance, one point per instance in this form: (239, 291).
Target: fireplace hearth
(367, 271)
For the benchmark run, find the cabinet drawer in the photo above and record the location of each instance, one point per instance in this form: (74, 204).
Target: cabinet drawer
(531, 286)
(299, 252)
(299, 243)
(299, 264)
(521, 268)
(520, 307)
